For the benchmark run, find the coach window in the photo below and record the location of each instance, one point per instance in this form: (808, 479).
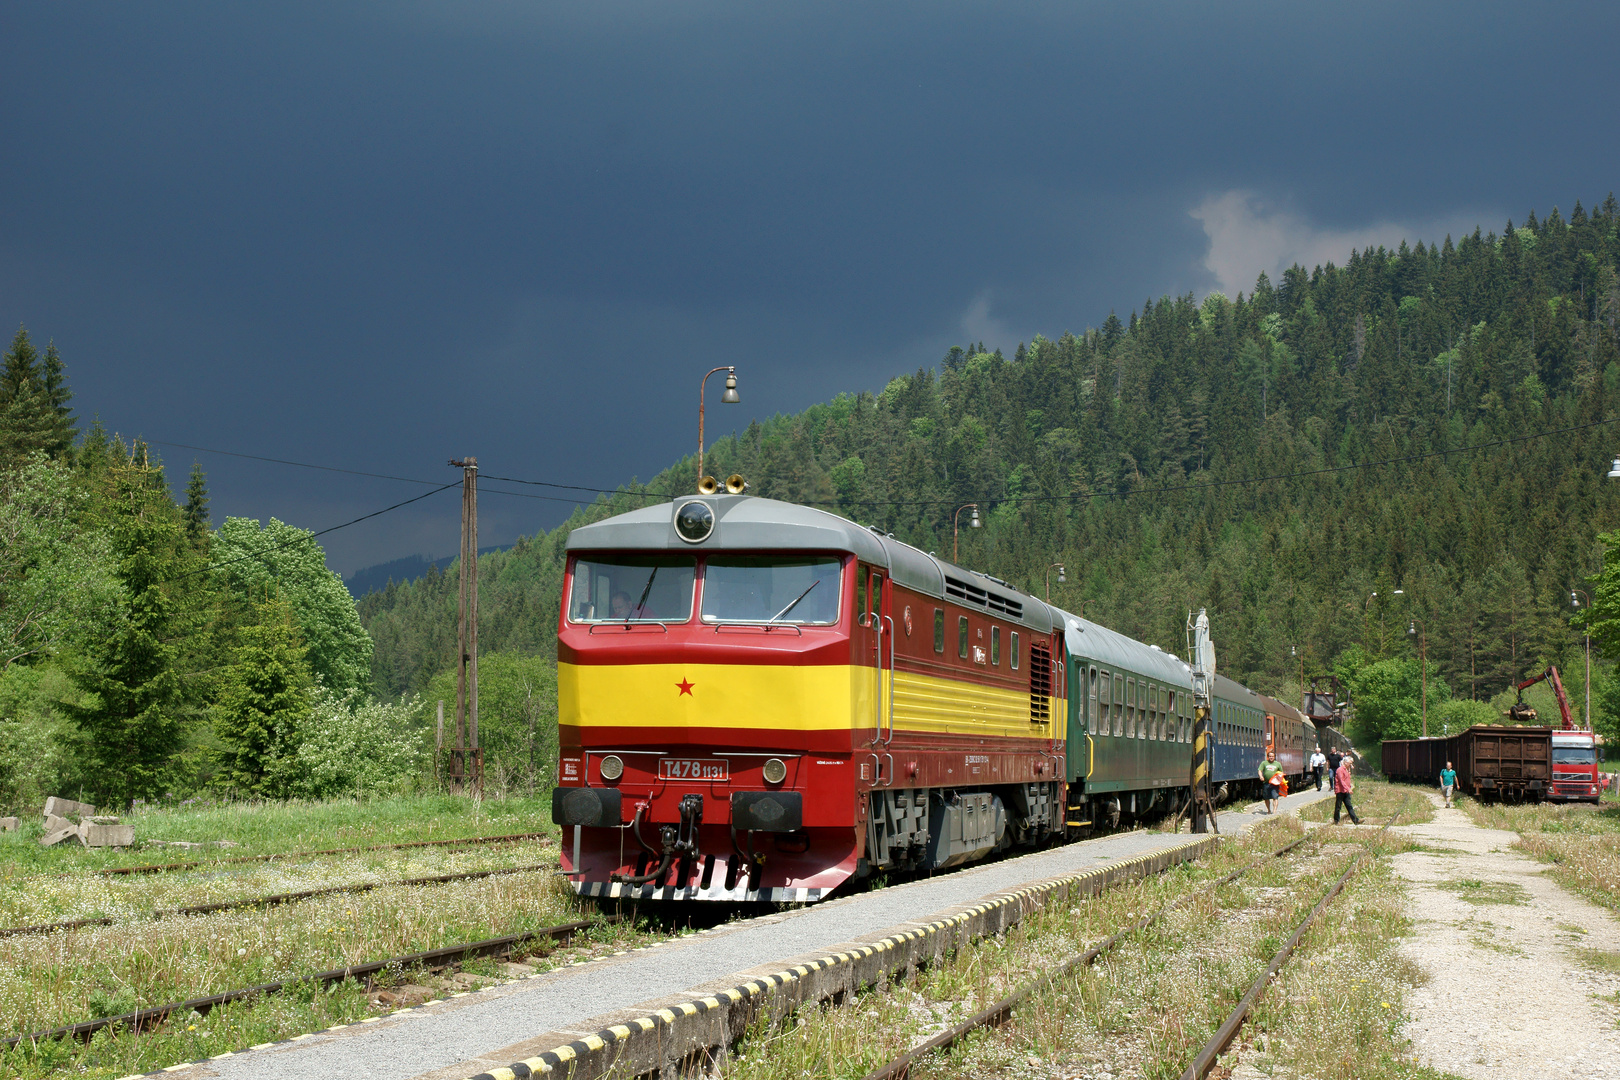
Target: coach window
(995, 646)
(1119, 705)
(1014, 645)
(1133, 728)
(1092, 707)
(1156, 732)
(961, 636)
(939, 629)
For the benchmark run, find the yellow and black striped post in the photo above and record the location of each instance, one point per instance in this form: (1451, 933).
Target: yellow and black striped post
(1203, 810)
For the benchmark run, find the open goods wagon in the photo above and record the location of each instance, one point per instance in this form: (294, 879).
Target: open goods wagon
(1493, 761)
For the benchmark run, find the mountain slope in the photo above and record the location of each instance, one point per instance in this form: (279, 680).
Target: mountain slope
(1130, 454)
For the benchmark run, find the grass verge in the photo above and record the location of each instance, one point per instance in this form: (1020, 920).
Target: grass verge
(274, 828)
(1581, 843)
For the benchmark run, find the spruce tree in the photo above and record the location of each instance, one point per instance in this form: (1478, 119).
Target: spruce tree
(34, 416)
(262, 702)
(196, 511)
(131, 715)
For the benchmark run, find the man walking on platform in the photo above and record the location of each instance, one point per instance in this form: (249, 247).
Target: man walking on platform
(1270, 778)
(1342, 787)
(1318, 765)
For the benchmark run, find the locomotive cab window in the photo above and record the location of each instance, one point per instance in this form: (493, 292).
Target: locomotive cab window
(939, 630)
(632, 588)
(796, 589)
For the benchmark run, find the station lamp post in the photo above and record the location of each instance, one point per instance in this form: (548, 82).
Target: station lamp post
(1415, 629)
(1061, 579)
(729, 397)
(956, 526)
(1574, 602)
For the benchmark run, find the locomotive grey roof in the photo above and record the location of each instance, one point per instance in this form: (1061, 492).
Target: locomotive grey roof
(749, 523)
(1113, 649)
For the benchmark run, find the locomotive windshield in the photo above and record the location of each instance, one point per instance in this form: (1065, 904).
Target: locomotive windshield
(632, 588)
(1574, 755)
(802, 590)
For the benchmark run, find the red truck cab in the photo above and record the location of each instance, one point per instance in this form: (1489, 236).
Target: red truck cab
(1574, 767)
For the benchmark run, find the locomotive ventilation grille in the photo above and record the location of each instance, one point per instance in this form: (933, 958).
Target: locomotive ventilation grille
(971, 594)
(1040, 683)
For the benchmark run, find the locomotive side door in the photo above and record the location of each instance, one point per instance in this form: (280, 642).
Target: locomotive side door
(876, 634)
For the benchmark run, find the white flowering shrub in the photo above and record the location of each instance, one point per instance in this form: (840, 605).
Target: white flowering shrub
(350, 745)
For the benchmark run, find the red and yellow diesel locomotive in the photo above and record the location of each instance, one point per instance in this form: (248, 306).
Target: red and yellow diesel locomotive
(758, 701)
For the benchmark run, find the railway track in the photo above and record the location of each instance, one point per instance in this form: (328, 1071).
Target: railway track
(159, 868)
(1001, 1011)
(272, 900)
(433, 959)
(1204, 1061)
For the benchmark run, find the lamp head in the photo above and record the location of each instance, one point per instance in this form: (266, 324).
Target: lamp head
(1061, 578)
(730, 396)
(1574, 601)
(1614, 470)
(973, 519)
(1411, 629)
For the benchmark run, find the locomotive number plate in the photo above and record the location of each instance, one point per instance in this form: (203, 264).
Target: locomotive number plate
(694, 769)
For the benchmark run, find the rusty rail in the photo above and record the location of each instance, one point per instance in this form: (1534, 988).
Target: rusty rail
(272, 900)
(142, 1019)
(1206, 1058)
(1001, 1011)
(469, 840)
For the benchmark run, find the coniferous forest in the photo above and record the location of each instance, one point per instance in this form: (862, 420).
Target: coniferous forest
(1433, 419)
(1437, 419)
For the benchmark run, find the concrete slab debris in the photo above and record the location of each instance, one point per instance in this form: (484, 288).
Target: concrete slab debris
(8, 824)
(53, 823)
(52, 838)
(96, 835)
(68, 808)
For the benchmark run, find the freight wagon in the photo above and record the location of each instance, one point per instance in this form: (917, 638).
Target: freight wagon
(1513, 764)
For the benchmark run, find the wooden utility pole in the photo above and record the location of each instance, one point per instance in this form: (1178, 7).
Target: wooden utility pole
(471, 758)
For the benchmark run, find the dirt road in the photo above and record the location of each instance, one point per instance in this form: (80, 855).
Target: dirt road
(1524, 976)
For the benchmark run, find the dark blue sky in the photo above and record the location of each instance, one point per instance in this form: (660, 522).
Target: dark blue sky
(378, 236)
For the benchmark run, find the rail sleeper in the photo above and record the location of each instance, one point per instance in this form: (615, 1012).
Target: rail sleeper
(694, 1035)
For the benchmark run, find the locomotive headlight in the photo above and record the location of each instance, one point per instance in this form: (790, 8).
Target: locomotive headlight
(694, 521)
(612, 767)
(775, 770)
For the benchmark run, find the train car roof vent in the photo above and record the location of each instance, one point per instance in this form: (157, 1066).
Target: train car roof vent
(969, 593)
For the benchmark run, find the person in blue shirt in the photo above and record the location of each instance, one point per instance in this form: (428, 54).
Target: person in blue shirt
(1448, 781)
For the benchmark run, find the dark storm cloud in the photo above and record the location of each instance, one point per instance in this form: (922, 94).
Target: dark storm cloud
(381, 236)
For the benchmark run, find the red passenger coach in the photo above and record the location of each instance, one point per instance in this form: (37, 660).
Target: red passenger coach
(759, 701)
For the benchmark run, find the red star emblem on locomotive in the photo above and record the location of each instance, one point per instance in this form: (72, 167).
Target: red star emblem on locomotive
(685, 687)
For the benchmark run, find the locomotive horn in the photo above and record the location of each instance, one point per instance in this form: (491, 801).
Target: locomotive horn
(708, 485)
(735, 484)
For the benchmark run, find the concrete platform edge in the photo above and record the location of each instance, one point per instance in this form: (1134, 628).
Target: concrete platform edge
(686, 1037)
